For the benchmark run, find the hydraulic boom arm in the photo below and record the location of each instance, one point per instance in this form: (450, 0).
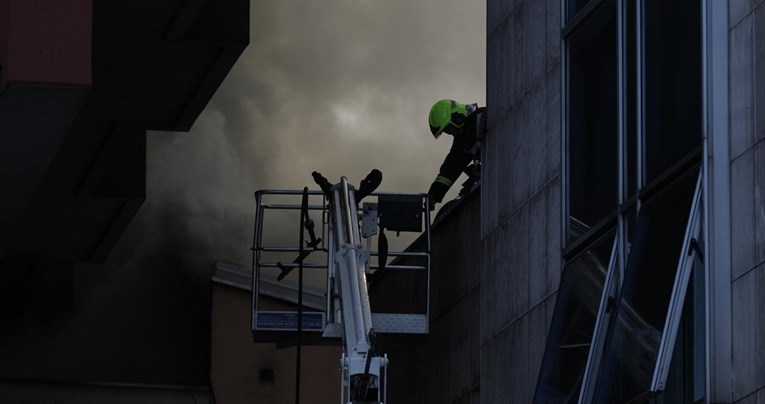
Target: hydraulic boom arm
(363, 370)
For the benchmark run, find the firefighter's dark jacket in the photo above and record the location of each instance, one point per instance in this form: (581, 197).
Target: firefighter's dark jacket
(459, 157)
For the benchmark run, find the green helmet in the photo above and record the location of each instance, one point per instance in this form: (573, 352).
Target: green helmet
(446, 112)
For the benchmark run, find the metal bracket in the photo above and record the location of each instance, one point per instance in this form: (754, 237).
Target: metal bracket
(369, 220)
(696, 247)
(357, 249)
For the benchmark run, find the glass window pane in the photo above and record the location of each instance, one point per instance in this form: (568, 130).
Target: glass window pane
(574, 6)
(573, 323)
(592, 120)
(630, 358)
(672, 82)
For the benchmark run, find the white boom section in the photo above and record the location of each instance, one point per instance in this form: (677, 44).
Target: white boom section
(350, 269)
(361, 367)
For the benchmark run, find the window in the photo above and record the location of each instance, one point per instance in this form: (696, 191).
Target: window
(576, 311)
(672, 82)
(592, 121)
(633, 129)
(663, 227)
(576, 6)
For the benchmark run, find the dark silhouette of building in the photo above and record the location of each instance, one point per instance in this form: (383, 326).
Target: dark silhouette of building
(81, 82)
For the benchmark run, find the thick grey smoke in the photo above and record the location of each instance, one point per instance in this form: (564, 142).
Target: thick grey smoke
(338, 86)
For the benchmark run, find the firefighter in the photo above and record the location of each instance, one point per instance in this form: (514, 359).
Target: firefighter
(460, 121)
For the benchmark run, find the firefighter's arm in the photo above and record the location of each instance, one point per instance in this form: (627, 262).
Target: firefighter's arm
(450, 170)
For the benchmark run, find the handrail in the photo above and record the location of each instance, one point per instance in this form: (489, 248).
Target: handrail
(266, 256)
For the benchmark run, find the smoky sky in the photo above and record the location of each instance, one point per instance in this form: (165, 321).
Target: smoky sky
(340, 87)
(337, 86)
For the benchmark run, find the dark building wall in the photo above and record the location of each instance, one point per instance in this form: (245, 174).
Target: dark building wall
(444, 366)
(82, 83)
(520, 195)
(56, 393)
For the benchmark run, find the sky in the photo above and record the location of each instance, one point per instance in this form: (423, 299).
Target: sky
(340, 87)
(336, 86)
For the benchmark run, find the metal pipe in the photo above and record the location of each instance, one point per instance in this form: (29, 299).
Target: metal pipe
(401, 254)
(402, 267)
(356, 298)
(292, 265)
(347, 213)
(301, 237)
(361, 269)
(286, 192)
(332, 298)
(328, 307)
(289, 249)
(348, 276)
(358, 293)
(428, 252)
(354, 217)
(255, 259)
(339, 229)
(288, 206)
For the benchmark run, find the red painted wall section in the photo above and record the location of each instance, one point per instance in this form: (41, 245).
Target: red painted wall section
(3, 42)
(46, 41)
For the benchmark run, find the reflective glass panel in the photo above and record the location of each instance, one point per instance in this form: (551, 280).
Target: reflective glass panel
(576, 309)
(592, 120)
(672, 82)
(574, 6)
(638, 324)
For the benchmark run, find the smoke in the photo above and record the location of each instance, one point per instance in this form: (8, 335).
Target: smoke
(340, 87)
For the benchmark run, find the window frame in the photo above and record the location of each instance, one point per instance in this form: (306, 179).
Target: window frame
(717, 191)
(683, 273)
(679, 290)
(602, 324)
(626, 202)
(610, 220)
(557, 330)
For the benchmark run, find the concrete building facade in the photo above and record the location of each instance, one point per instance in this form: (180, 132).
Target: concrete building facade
(622, 225)
(603, 118)
(443, 366)
(520, 195)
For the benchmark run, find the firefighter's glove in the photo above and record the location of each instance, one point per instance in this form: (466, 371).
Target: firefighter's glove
(437, 191)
